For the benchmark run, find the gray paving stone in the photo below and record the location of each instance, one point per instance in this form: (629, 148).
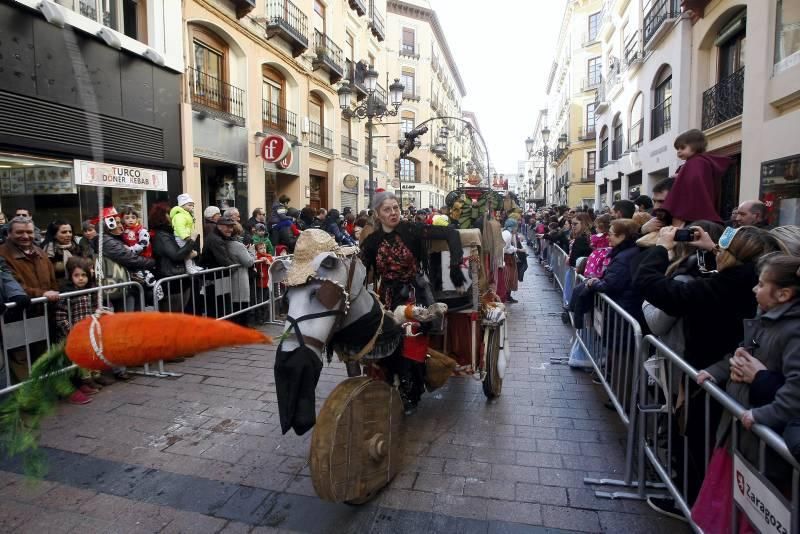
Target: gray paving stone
(538, 493)
(570, 518)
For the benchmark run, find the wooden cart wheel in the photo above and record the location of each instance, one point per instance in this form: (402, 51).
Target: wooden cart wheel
(492, 383)
(355, 446)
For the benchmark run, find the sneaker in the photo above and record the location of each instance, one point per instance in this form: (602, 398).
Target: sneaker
(596, 379)
(512, 300)
(77, 397)
(86, 389)
(666, 506)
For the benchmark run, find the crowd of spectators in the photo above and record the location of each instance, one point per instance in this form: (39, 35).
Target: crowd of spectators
(721, 292)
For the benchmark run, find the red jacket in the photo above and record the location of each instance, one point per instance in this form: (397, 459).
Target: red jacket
(696, 192)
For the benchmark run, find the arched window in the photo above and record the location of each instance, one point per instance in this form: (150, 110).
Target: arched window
(636, 135)
(273, 99)
(408, 170)
(617, 142)
(661, 114)
(604, 147)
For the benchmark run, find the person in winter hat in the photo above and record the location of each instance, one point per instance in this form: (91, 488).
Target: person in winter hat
(182, 218)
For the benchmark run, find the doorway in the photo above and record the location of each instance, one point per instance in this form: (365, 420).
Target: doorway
(318, 185)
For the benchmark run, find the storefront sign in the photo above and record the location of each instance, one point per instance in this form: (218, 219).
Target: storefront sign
(408, 187)
(214, 140)
(274, 148)
(763, 506)
(290, 164)
(98, 174)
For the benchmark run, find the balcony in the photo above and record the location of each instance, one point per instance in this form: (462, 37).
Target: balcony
(243, 7)
(636, 135)
(319, 137)
(435, 104)
(354, 73)
(379, 99)
(287, 21)
(633, 56)
(724, 101)
(697, 7)
(360, 7)
(588, 135)
(349, 148)
(592, 82)
(589, 39)
(376, 24)
(409, 50)
(587, 176)
(274, 117)
(213, 97)
(412, 93)
(329, 57)
(661, 118)
(657, 19)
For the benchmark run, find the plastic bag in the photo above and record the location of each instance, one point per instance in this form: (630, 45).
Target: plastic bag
(578, 357)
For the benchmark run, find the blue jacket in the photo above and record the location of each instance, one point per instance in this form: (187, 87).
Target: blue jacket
(617, 282)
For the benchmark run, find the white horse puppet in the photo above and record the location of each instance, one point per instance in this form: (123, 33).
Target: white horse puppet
(329, 307)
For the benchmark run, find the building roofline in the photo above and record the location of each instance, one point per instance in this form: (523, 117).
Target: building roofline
(429, 15)
(471, 117)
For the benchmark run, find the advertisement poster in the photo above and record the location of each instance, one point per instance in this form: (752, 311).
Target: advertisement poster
(763, 506)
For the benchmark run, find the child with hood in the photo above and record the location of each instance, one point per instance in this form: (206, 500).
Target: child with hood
(698, 184)
(182, 219)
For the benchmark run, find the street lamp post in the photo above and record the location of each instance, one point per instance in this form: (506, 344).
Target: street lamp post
(545, 153)
(371, 110)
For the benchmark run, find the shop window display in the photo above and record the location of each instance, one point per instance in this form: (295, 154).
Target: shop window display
(780, 190)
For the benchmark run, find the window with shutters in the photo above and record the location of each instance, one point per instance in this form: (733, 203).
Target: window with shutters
(408, 45)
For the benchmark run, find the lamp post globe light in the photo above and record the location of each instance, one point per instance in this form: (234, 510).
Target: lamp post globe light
(545, 153)
(372, 110)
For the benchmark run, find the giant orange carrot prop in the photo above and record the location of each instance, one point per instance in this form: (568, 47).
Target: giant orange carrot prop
(132, 339)
(121, 339)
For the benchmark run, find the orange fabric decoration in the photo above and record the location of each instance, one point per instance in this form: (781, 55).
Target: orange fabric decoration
(134, 338)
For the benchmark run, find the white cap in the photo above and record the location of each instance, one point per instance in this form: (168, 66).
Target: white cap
(184, 198)
(211, 211)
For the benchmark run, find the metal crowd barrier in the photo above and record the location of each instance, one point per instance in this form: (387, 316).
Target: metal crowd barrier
(32, 332)
(766, 488)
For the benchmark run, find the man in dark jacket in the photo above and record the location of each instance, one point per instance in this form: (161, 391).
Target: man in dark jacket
(215, 251)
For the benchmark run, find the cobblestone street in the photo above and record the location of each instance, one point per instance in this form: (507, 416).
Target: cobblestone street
(204, 453)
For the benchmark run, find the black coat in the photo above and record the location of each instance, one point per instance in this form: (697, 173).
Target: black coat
(713, 307)
(168, 255)
(215, 251)
(581, 248)
(115, 250)
(617, 280)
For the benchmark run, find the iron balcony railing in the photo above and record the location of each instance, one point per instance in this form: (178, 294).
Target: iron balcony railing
(328, 52)
(662, 11)
(412, 93)
(349, 148)
(319, 137)
(587, 133)
(376, 23)
(215, 96)
(661, 118)
(409, 50)
(591, 82)
(277, 118)
(284, 16)
(724, 101)
(379, 99)
(633, 50)
(636, 135)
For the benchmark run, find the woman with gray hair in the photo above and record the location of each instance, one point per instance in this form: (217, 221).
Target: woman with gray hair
(396, 253)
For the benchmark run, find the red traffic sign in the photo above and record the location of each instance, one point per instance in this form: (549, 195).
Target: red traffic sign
(274, 148)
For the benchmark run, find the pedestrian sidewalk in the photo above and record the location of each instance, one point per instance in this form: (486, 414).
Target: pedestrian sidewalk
(204, 452)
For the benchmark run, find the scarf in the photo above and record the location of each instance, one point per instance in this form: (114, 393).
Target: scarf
(492, 237)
